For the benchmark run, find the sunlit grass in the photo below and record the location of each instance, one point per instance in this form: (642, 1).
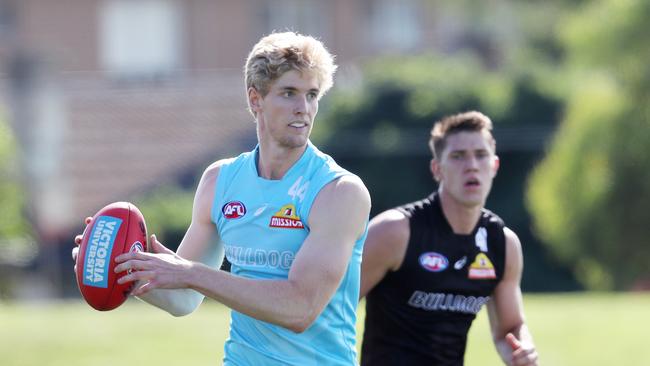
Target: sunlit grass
(570, 330)
(577, 329)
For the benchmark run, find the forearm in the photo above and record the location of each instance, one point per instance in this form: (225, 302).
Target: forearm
(181, 301)
(505, 350)
(177, 302)
(280, 302)
(523, 334)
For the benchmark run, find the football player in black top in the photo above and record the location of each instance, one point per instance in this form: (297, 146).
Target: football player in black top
(429, 266)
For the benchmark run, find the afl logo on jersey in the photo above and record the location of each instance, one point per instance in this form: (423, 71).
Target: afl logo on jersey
(233, 210)
(434, 262)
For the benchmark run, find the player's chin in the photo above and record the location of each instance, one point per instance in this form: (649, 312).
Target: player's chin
(473, 197)
(471, 202)
(296, 141)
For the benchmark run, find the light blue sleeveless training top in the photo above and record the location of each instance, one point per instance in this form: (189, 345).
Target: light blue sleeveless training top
(263, 224)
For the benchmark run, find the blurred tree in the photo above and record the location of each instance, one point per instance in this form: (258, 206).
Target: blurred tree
(12, 221)
(379, 129)
(590, 195)
(168, 212)
(17, 247)
(390, 112)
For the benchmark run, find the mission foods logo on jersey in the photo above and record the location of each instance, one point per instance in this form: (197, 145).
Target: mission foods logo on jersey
(286, 218)
(481, 268)
(233, 210)
(434, 262)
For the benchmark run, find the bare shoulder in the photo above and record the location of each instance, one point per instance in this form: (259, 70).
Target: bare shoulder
(388, 237)
(349, 184)
(513, 244)
(344, 204)
(392, 223)
(514, 257)
(384, 249)
(205, 191)
(345, 190)
(211, 173)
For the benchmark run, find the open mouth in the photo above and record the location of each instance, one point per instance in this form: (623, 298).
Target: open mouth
(472, 183)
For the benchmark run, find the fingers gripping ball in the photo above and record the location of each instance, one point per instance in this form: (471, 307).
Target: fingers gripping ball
(117, 228)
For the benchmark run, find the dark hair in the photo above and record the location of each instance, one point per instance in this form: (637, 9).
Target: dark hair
(472, 121)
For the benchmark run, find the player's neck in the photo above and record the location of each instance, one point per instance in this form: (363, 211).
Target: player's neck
(461, 218)
(273, 162)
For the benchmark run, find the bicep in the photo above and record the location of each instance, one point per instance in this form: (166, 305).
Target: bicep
(384, 249)
(505, 310)
(337, 219)
(201, 244)
(201, 240)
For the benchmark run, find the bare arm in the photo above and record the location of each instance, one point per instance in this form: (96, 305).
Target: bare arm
(388, 236)
(506, 311)
(337, 220)
(200, 244)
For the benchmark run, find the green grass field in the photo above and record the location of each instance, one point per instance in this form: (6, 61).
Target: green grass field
(570, 330)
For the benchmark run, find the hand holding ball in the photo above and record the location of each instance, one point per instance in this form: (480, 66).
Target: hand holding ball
(116, 229)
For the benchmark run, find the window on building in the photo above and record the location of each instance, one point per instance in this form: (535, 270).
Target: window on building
(302, 16)
(140, 39)
(7, 17)
(395, 25)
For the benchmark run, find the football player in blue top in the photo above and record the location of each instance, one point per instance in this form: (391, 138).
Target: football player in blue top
(288, 218)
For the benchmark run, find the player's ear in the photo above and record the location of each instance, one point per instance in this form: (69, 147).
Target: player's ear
(435, 169)
(497, 163)
(254, 99)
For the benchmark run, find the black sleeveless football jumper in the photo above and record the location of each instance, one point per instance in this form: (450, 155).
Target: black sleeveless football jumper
(421, 313)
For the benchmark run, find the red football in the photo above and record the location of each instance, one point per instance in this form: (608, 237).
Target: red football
(117, 228)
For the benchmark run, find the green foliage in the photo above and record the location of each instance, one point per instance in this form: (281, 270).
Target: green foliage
(379, 129)
(12, 221)
(410, 93)
(439, 84)
(590, 195)
(168, 212)
(17, 248)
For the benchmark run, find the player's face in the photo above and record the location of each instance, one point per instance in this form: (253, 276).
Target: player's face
(285, 115)
(467, 167)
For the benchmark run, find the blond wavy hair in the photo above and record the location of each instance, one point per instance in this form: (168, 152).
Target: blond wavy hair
(278, 53)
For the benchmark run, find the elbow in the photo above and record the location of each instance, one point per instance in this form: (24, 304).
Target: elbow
(179, 312)
(297, 328)
(184, 308)
(175, 302)
(307, 306)
(299, 324)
